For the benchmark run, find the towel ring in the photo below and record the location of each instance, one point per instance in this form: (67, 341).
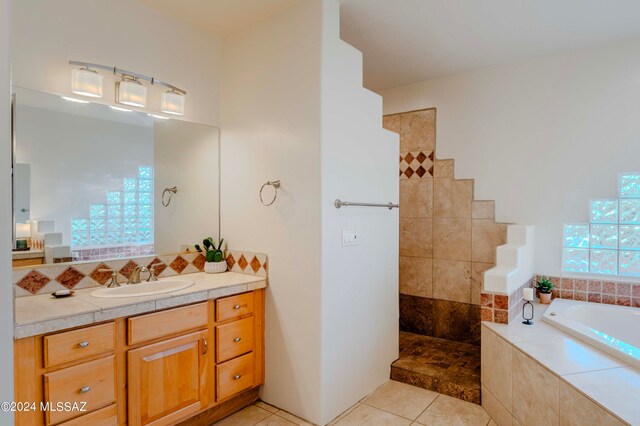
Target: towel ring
(169, 191)
(276, 185)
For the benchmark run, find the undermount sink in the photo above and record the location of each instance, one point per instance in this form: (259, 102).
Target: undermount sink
(142, 289)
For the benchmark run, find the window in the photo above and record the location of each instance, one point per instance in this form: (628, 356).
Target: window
(125, 218)
(610, 242)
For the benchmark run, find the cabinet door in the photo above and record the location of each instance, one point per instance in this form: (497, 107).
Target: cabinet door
(168, 380)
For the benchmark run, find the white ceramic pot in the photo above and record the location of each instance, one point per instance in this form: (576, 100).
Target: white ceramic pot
(215, 267)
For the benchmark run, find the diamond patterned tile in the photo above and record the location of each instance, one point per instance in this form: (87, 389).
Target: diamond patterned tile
(33, 282)
(199, 261)
(179, 264)
(70, 277)
(416, 165)
(231, 261)
(255, 264)
(101, 277)
(242, 262)
(161, 265)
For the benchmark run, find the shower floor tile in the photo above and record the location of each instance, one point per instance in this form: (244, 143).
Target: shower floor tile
(444, 366)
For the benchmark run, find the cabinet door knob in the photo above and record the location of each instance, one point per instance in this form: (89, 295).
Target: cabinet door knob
(205, 345)
(83, 344)
(236, 377)
(85, 389)
(237, 339)
(236, 307)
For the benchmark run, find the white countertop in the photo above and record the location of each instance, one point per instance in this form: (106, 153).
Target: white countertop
(43, 313)
(608, 381)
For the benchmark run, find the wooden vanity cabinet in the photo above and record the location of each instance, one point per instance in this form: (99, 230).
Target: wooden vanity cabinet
(160, 368)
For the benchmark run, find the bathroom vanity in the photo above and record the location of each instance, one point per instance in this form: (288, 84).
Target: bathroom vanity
(193, 356)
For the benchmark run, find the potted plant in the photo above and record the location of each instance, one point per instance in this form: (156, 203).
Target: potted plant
(215, 261)
(544, 286)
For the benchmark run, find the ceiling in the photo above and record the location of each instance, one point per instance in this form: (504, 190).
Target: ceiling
(405, 41)
(219, 17)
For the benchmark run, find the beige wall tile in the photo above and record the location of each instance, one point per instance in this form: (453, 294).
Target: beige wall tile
(416, 237)
(535, 392)
(418, 130)
(497, 367)
(452, 280)
(401, 399)
(416, 198)
(391, 122)
(578, 410)
(500, 415)
(486, 236)
(483, 209)
(443, 169)
(452, 198)
(477, 280)
(452, 411)
(416, 276)
(452, 239)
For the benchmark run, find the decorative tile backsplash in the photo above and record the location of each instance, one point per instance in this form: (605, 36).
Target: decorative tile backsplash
(502, 308)
(49, 278)
(416, 165)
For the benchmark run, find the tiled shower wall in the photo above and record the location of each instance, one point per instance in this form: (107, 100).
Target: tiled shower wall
(447, 239)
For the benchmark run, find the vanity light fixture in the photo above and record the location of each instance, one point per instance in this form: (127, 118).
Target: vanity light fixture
(78, 101)
(172, 102)
(86, 82)
(130, 90)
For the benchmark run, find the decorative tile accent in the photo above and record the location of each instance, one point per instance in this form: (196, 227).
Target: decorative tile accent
(47, 278)
(33, 282)
(503, 309)
(179, 264)
(416, 165)
(70, 277)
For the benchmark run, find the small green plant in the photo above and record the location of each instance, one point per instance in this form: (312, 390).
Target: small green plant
(212, 253)
(545, 285)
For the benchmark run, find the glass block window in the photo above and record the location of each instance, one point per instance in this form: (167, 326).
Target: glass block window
(126, 217)
(610, 243)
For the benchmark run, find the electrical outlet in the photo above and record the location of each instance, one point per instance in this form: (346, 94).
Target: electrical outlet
(349, 237)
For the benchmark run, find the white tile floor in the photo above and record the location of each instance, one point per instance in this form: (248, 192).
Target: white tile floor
(392, 404)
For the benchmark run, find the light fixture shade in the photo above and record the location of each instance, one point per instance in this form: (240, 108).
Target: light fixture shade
(86, 82)
(129, 92)
(172, 103)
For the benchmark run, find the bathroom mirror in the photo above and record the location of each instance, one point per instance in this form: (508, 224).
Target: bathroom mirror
(94, 182)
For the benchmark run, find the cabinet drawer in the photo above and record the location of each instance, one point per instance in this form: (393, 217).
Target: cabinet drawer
(78, 344)
(234, 339)
(234, 376)
(92, 382)
(107, 416)
(159, 324)
(234, 306)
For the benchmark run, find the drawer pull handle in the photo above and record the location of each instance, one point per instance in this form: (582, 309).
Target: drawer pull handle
(85, 389)
(236, 307)
(237, 377)
(206, 346)
(83, 344)
(237, 339)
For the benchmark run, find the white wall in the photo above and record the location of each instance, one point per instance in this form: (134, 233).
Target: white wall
(123, 33)
(6, 290)
(270, 121)
(541, 137)
(186, 156)
(85, 157)
(359, 283)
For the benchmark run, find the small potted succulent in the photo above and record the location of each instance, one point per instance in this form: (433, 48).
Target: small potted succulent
(544, 286)
(215, 261)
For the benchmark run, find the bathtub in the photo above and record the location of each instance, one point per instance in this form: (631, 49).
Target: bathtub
(612, 329)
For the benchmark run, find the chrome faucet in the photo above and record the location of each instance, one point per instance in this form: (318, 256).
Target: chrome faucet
(134, 278)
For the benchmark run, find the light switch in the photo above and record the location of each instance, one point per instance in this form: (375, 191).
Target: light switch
(349, 237)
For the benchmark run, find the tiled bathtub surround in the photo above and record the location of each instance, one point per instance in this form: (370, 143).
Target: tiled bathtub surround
(596, 291)
(49, 278)
(538, 375)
